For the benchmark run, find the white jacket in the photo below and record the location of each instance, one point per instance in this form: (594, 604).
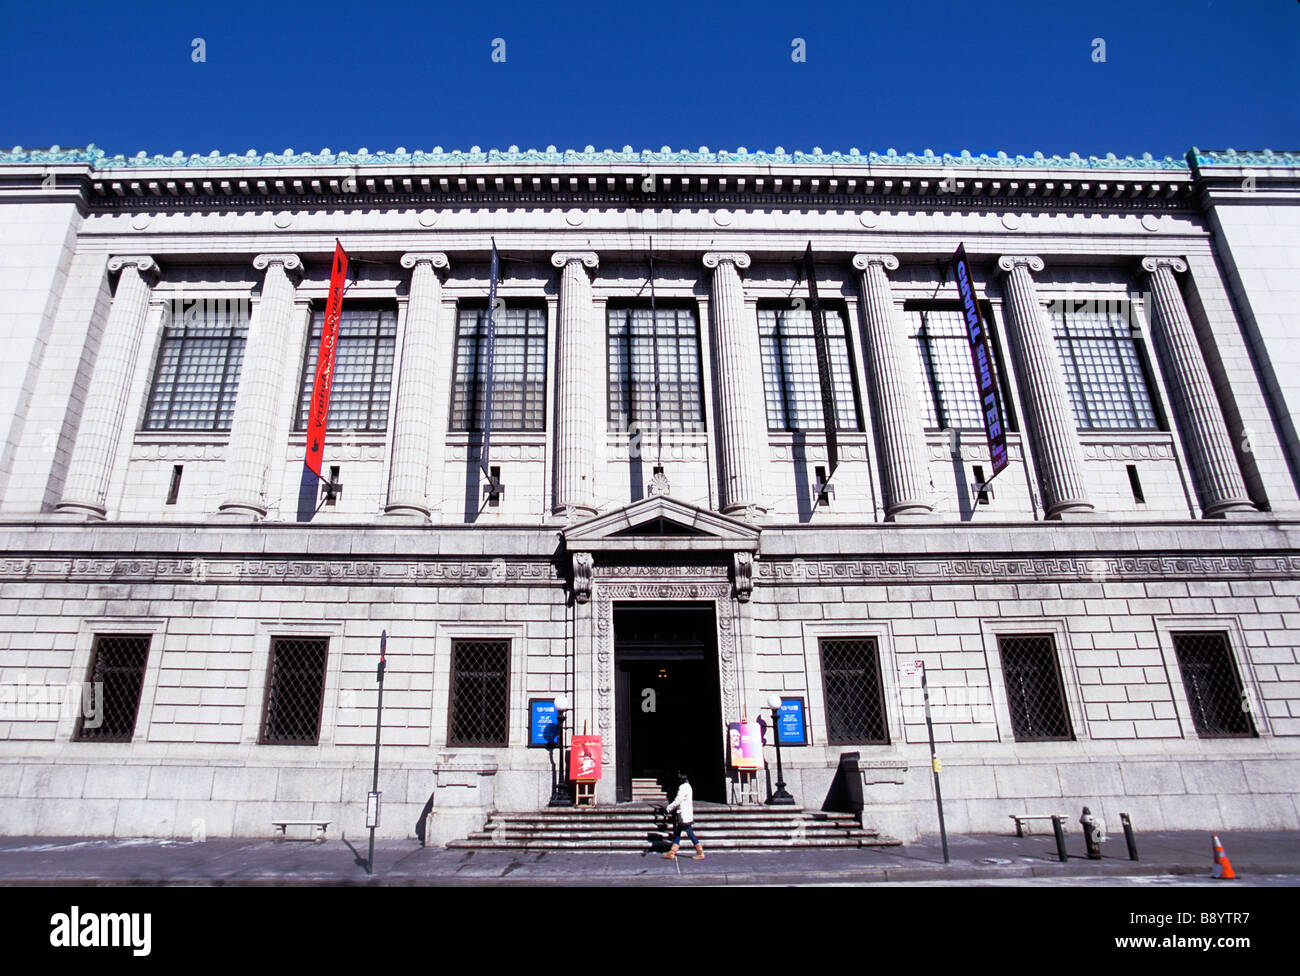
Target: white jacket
(684, 804)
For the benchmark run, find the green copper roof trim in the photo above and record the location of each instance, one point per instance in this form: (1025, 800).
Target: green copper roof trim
(1251, 157)
(100, 160)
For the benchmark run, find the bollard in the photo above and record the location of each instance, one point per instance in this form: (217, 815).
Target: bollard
(1128, 836)
(1060, 837)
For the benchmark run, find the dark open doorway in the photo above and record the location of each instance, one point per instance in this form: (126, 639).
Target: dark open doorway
(669, 704)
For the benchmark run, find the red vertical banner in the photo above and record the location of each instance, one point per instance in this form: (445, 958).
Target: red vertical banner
(329, 338)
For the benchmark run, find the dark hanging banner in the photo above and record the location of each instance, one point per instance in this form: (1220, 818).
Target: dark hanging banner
(981, 354)
(329, 336)
(823, 364)
(489, 353)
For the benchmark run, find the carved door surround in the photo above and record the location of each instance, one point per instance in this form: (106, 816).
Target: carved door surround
(628, 554)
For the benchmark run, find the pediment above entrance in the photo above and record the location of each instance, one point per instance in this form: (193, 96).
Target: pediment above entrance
(659, 523)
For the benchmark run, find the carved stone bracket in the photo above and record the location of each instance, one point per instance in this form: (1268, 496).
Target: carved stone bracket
(743, 566)
(582, 574)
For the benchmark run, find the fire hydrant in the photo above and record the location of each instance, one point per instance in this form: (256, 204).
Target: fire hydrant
(1094, 832)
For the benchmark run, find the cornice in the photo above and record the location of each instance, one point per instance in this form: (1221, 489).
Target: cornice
(703, 177)
(100, 160)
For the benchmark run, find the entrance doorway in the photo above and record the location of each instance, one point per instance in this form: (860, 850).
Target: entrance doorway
(668, 699)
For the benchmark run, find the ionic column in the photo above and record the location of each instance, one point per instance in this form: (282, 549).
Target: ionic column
(85, 493)
(258, 402)
(1200, 417)
(893, 394)
(742, 424)
(581, 345)
(1053, 435)
(416, 437)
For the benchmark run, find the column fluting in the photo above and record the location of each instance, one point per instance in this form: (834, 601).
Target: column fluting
(1053, 434)
(102, 421)
(414, 442)
(1200, 416)
(253, 426)
(893, 372)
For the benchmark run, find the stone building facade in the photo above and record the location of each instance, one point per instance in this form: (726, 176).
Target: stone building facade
(1113, 620)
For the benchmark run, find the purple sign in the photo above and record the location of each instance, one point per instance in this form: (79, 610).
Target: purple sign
(981, 354)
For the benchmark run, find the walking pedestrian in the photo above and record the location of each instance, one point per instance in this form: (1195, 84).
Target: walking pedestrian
(683, 806)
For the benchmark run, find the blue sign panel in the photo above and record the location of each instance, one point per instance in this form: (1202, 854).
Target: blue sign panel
(543, 722)
(790, 725)
(981, 354)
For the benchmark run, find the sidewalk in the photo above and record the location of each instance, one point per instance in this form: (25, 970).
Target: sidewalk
(71, 861)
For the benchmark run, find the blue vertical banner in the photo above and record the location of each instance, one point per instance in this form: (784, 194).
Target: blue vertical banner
(489, 353)
(981, 354)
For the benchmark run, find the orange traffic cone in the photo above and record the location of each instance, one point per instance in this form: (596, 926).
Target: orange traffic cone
(1222, 866)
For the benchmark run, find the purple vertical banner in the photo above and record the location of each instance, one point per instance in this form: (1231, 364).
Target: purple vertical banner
(981, 354)
(489, 352)
(824, 376)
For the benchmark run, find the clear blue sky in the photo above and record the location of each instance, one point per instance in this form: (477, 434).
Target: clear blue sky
(1015, 76)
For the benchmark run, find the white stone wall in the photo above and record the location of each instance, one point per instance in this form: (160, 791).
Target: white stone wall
(1259, 251)
(37, 244)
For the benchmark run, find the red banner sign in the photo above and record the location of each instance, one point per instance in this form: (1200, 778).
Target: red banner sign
(329, 337)
(584, 759)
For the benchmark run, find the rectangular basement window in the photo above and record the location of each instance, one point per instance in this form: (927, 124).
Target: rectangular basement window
(295, 691)
(1035, 694)
(1214, 692)
(117, 662)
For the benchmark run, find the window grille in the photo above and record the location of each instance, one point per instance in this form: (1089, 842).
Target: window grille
(1104, 368)
(480, 693)
(948, 392)
(295, 691)
(518, 372)
(1035, 695)
(635, 345)
(1214, 691)
(197, 373)
(117, 663)
(363, 369)
(855, 701)
(790, 376)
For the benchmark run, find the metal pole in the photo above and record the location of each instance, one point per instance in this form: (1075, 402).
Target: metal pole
(780, 797)
(1128, 836)
(379, 725)
(934, 764)
(1060, 839)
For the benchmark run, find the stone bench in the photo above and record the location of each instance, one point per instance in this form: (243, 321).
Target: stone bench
(317, 825)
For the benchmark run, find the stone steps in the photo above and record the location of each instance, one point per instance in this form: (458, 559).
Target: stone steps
(634, 827)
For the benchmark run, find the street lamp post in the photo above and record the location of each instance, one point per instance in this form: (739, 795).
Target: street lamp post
(780, 797)
(560, 791)
(372, 802)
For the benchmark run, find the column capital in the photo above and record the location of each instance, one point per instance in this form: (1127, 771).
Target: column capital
(436, 258)
(290, 262)
(863, 261)
(739, 258)
(141, 262)
(1175, 264)
(1009, 261)
(589, 259)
